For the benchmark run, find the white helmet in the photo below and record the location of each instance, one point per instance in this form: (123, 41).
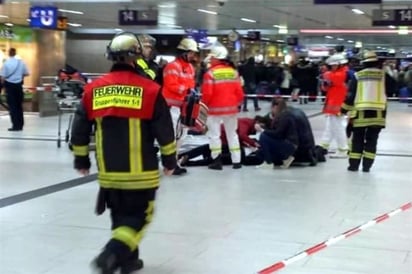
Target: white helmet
(123, 45)
(188, 44)
(218, 51)
(336, 59)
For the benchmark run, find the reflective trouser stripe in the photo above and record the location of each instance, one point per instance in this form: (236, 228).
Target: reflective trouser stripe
(369, 155)
(354, 155)
(131, 237)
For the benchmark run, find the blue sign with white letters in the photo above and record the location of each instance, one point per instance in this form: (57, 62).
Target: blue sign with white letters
(199, 35)
(43, 17)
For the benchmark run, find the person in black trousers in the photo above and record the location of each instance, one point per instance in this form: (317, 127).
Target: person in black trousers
(12, 74)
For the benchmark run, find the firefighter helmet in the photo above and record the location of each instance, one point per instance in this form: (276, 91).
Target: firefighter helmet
(369, 56)
(147, 40)
(123, 45)
(336, 59)
(218, 51)
(188, 44)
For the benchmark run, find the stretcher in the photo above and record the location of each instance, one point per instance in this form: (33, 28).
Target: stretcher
(68, 94)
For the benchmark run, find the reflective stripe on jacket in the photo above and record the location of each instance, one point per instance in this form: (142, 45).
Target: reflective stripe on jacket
(129, 114)
(178, 79)
(222, 90)
(370, 92)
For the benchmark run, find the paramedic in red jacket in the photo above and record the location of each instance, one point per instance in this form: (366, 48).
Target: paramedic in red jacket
(222, 93)
(178, 80)
(335, 96)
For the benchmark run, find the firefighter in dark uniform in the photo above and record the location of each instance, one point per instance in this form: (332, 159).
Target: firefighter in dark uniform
(128, 112)
(145, 64)
(366, 106)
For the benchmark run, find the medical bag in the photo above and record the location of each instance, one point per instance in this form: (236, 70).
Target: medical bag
(193, 111)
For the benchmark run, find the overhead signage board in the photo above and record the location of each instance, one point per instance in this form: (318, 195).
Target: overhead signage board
(199, 35)
(400, 17)
(138, 17)
(43, 17)
(346, 2)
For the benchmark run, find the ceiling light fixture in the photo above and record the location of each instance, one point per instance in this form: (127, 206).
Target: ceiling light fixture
(174, 26)
(328, 37)
(166, 6)
(248, 20)
(280, 27)
(9, 24)
(350, 41)
(357, 11)
(207, 11)
(71, 11)
(392, 27)
(349, 31)
(340, 39)
(118, 30)
(3, 16)
(76, 25)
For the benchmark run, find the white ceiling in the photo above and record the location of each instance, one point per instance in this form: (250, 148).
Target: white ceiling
(102, 16)
(296, 14)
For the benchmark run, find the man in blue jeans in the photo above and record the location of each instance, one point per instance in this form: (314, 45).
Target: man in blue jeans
(279, 141)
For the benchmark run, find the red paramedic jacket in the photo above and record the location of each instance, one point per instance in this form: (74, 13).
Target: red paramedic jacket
(222, 91)
(178, 79)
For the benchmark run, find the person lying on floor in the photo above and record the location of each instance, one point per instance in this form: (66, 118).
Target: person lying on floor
(279, 141)
(246, 127)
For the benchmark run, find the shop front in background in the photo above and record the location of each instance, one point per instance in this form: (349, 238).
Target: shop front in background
(34, 46)
(23, 40)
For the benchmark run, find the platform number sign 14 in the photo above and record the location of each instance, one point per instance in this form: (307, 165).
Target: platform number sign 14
(127, 17)
(400, 17)
(405, 15)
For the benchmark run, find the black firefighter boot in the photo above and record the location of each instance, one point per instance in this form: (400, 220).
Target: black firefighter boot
(106, 262)
(216, 164)
(134, 263)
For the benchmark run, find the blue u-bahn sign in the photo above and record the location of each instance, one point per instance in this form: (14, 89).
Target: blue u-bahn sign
(43, 17)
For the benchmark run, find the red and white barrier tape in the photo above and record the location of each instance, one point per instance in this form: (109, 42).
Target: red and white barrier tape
(310, 251)
(309, 96)
(51, 87)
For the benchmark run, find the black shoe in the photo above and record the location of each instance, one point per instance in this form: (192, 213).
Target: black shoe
(183, 160)
(366, 169)
(237, 166)
(179, 171)
(15, 129)
(131, 266)
(105, 263)
(216, 164)
(352, 168)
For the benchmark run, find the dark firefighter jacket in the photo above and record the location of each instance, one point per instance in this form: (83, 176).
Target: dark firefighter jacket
(129, 113)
